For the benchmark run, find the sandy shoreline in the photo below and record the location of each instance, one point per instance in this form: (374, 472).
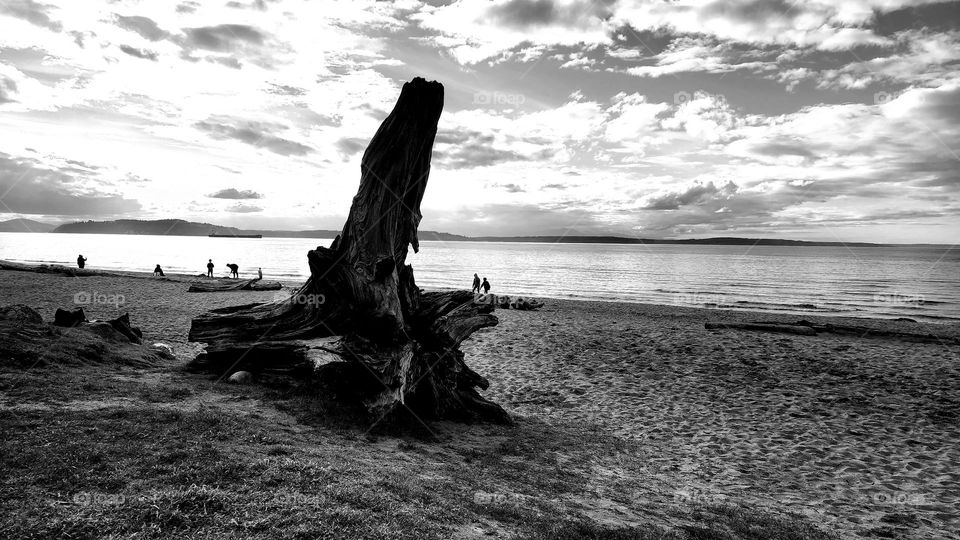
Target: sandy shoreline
(860, 433)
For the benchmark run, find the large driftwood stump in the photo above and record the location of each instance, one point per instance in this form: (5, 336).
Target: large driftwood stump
(361, 319)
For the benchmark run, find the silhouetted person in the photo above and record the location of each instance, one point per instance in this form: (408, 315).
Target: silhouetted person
(158, 271)
(486, 286)
(209, 267)
(259, 273)
(81, 260)
(233, 270)
(476, 284)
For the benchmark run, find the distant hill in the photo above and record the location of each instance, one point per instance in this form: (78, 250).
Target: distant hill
(25, 225)
(174, 227)
(724, 240)
(179, 227)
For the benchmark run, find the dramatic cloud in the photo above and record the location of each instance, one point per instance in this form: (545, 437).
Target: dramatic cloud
(244, 209)
(30, 11)
(8, 88)
(468, 149)
(224, 37)
(688, 54)
(352, 145)
(27, 187)
(629, 117)
(286, 90)
(234, 193)
(475, 31)
(144, 26)
(527, 13)
(695, 195)
(188, 7)
(255, 134)
(255, 4)
(139, 53)
(512, 188)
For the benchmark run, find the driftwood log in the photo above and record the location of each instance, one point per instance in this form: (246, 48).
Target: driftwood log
(360, 318)
(27, 342)
(227, 285)
(807, 328)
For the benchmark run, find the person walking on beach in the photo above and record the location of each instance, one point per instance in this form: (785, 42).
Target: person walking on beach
(234, 270)
(158, 271)
(476, 284)
(81, 260)
(209, 267)
(486, 286)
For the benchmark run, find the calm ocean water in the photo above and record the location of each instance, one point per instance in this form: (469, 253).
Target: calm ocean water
(918, 282)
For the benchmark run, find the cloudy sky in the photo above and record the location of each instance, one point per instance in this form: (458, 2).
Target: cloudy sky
(809, 119)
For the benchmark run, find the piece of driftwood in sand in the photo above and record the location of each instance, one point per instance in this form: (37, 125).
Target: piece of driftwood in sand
(107, 329)
(69, 318)
(55, 269)
(25, 341)
(807, 328)
(227, 285)
(360, 323)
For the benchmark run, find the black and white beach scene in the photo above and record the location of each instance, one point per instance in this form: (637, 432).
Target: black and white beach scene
(471, 269)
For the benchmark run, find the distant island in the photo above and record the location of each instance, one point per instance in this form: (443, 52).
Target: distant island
(179, 227)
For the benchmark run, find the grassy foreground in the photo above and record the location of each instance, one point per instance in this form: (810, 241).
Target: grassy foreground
(92, 451)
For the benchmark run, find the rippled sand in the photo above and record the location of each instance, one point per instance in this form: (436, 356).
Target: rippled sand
(856, 432)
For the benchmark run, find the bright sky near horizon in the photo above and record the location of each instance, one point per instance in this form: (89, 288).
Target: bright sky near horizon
(813, 120)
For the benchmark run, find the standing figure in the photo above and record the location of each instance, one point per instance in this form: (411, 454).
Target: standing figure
(209, 267)
(259, 273)
(233, 270)
(476, 284)
(486, 286)
(158, 271)
(81, 260)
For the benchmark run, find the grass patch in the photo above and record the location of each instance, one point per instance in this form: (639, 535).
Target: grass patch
(728, 522)
(157, 473)
(153, 471)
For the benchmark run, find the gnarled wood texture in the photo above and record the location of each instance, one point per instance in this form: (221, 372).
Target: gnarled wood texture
(360, 317)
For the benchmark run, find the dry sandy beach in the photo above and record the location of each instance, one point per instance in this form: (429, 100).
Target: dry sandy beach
(858, 434)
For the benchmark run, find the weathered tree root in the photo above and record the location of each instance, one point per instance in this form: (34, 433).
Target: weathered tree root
(360, 316)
